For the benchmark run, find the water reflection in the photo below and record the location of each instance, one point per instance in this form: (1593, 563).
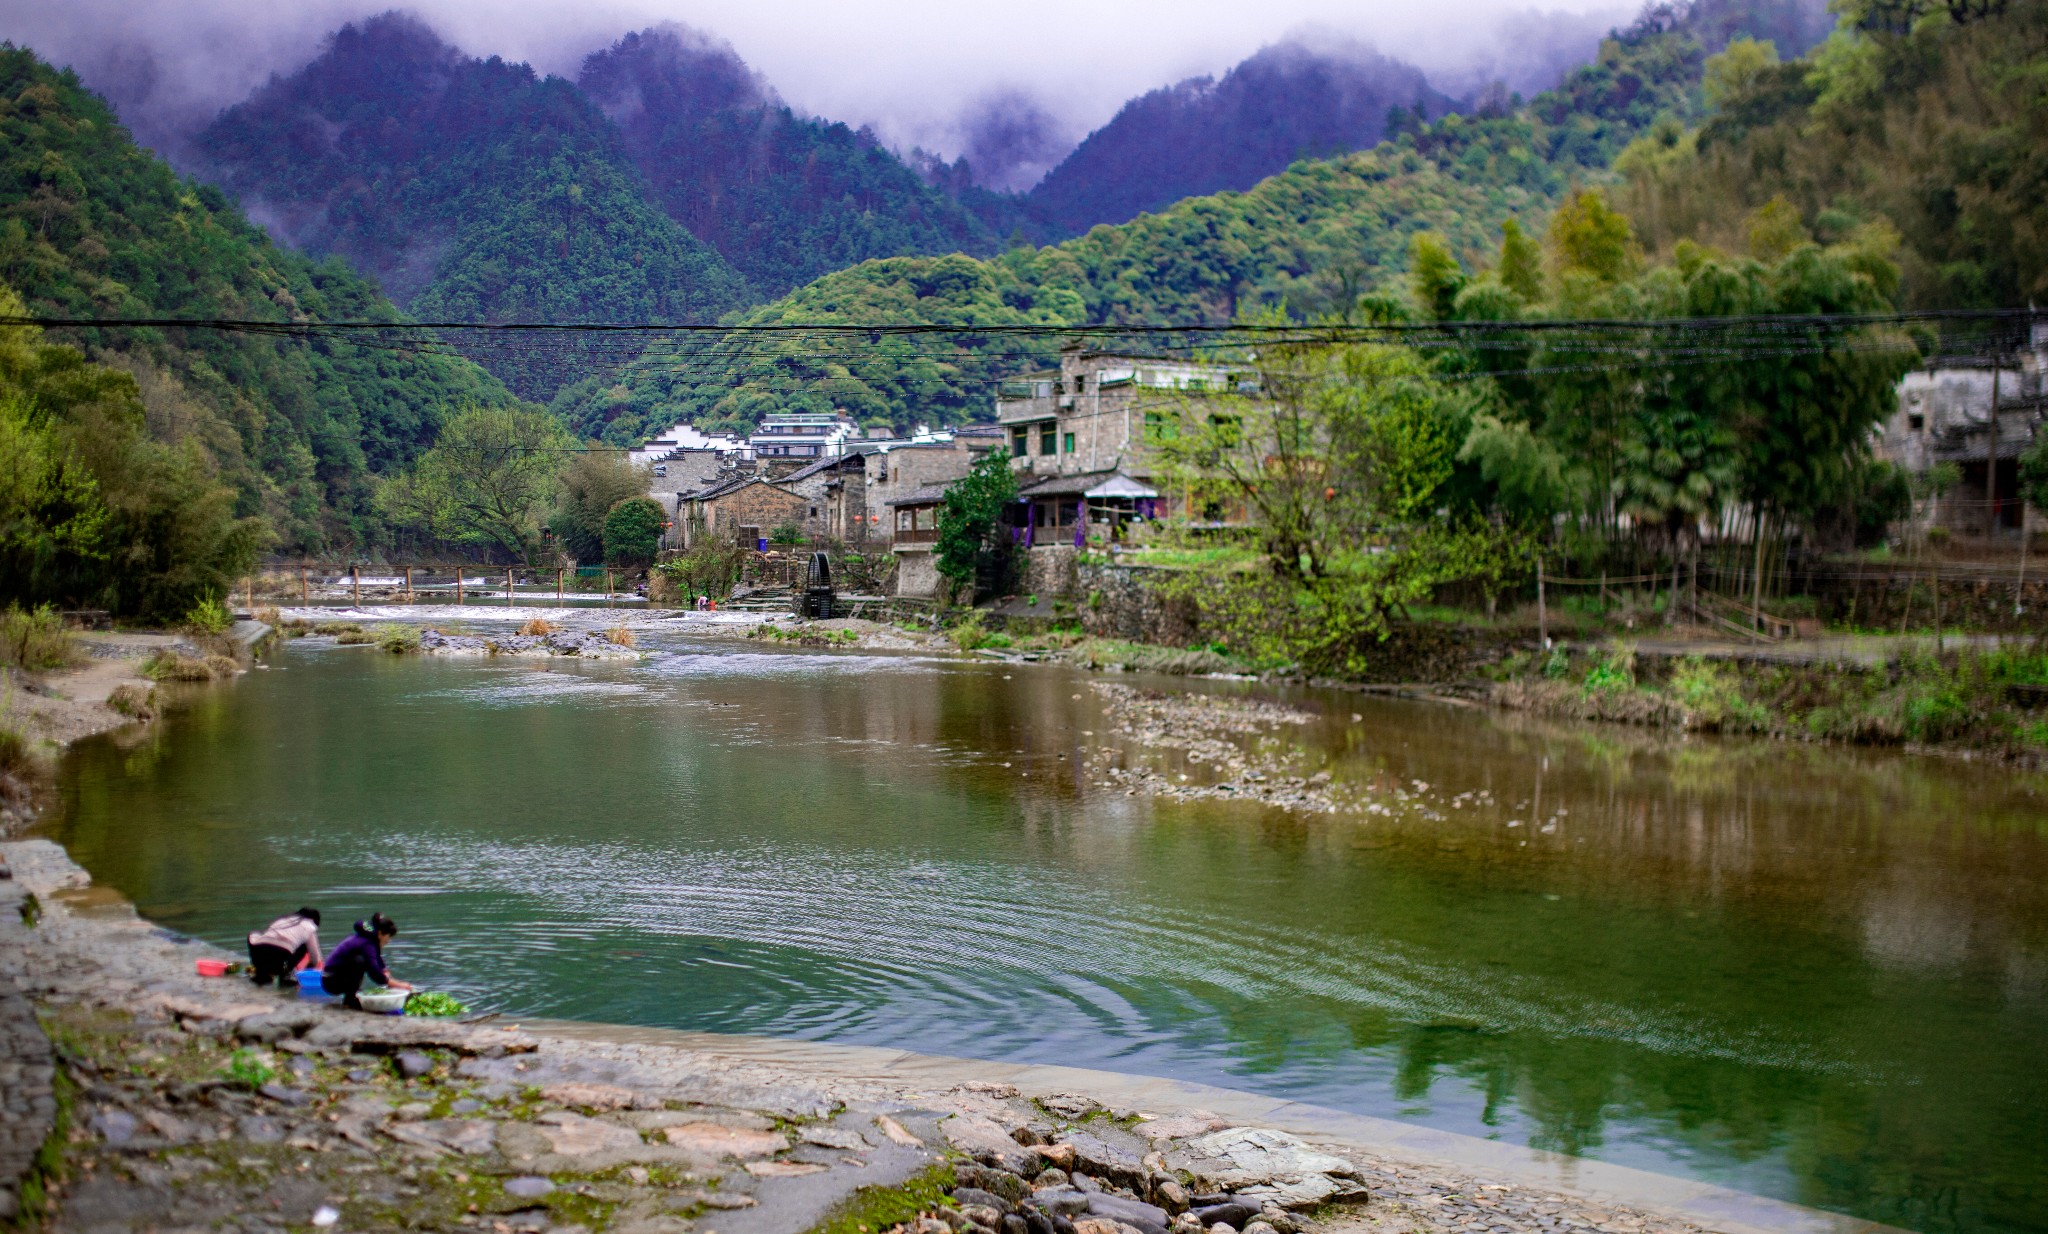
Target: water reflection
(1809, 972)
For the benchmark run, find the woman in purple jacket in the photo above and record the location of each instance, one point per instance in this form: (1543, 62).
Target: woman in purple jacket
(358, 956)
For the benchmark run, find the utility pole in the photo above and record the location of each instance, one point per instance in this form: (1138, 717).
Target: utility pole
(1991, 457)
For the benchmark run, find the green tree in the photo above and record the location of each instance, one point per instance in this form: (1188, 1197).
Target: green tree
(93, 513)
(1521, 262)
(490, 479)
(1590, 238)
(591, 484)
(1434, 276)
(632, 532)
(973, 545)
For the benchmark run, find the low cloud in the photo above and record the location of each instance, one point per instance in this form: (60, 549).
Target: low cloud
(1002, 82)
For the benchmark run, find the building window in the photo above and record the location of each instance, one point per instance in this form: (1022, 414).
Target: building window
(1080, 384)
(1067, 443)
(1020, 442)
(1048, 439)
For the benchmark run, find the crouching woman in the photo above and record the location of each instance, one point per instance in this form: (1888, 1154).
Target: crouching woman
(284, 944)
(358, 956)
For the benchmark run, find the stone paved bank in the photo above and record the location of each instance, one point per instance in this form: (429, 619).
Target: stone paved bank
(210, 1105)
(28, 1104)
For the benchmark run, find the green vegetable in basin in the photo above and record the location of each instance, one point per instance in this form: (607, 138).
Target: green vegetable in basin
(433, 1004)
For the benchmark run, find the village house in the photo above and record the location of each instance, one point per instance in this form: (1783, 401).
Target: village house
(1080, 438)
(743, 507)
(834, 490)
(906, 482)
(1945, 415)
(803, 435)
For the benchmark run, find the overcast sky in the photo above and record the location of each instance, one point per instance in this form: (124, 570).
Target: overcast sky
(911, 68)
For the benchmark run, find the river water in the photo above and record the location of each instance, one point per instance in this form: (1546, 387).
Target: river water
(1811, 973)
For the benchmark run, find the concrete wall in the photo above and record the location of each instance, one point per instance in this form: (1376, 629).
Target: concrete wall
(917, 571)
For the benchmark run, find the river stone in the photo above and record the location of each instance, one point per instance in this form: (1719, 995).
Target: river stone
(528, 1187)
(784, 1169)
(1147, 1217)
(834, 1137)
(1069, 1106)
(285, 1096)
(1233, 1213)
(593, 1096)
(114, 1126)
(716, 1140)
(1001, 1182)
(412, 1064)
(470, 1136)
(1103, 1225)
(259, 1130)
(987, 1199)
(573, 1135)
(1182, 1126)
(984, 1139)
(1244, 1157)
(1308, 1191)
(1060, 1201)
(1099, 1158)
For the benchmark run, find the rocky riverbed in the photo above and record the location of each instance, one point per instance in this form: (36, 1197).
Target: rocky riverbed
(189, 1103)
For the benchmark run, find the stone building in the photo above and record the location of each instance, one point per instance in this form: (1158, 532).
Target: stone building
(836, 502)
(747, 508)
(1944, 415)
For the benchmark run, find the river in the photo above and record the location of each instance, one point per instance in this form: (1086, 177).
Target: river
(1812, 973)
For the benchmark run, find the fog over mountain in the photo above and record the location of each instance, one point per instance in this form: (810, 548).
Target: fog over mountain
(1014, 87)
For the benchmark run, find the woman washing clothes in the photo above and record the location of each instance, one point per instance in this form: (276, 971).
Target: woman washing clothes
(358, 956)
(278, 948)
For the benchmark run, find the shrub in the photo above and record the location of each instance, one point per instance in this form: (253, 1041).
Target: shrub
(35, 639)
(786, 534)
(399, 640)
(222, 666)
(970, 632)
(133, 701)
(268, 615)
(619, 635)
(534, 627)
(1616, 672)
(209, 616)
(354, 638)
(1712, 697)
(173, 666)
(336, 628)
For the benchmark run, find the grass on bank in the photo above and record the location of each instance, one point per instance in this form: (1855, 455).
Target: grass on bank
(1992, 700)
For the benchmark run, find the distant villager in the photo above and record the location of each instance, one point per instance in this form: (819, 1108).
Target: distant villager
(283, 945)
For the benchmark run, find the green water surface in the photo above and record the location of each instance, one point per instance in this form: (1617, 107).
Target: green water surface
(1811, 973)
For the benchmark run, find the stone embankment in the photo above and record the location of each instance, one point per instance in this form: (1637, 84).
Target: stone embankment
(189, 1103)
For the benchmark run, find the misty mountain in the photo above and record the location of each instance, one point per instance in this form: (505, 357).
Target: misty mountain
(785, 198)
(1290, 101)
(97, 227)
(470, 189)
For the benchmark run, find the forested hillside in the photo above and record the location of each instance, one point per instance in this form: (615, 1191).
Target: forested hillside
(785, 198)
(1311, 240)
(92, 226)
(1204, 135)
(470, 189)
(1924, 119)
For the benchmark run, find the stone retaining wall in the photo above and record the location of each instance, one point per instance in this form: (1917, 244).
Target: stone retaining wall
(28, 1100)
